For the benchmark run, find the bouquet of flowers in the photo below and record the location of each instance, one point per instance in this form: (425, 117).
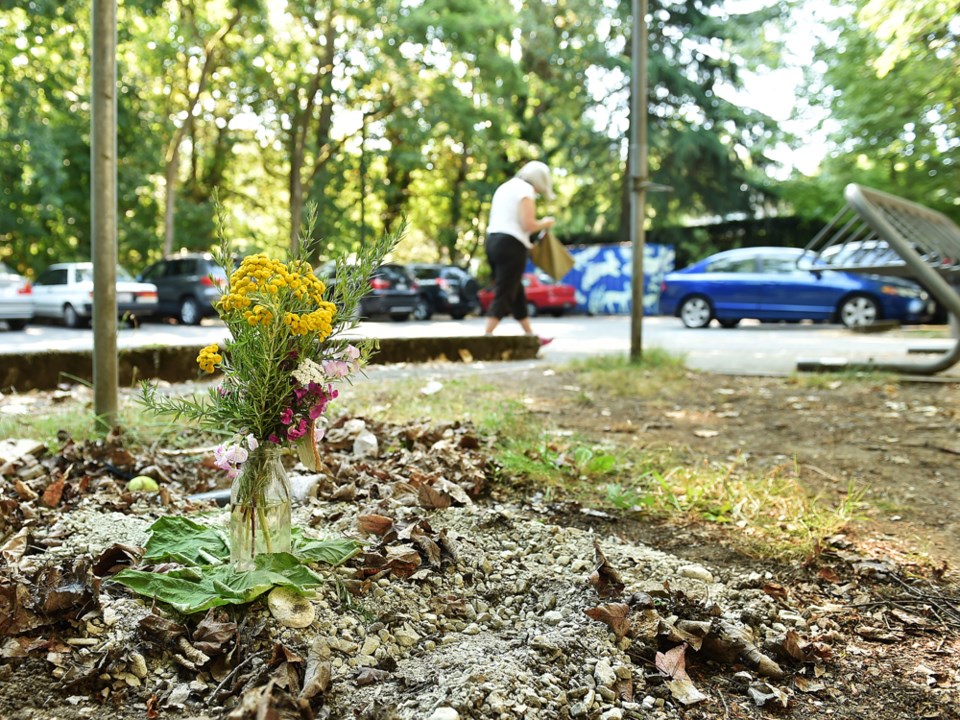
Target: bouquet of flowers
(279, 368)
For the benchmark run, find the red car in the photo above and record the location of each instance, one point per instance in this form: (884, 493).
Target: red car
(544, 295)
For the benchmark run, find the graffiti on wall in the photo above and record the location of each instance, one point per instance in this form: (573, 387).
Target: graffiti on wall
(602, 277)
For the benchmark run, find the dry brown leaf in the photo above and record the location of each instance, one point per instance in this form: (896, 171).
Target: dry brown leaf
(829, 575)
(673, 663)
(776, 590)
(604, 578)
(429, 497)
(374, 524)
(215, 634)
(616, 616)
(53, 493)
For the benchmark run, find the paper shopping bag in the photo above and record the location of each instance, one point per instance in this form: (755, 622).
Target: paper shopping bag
(551, 256)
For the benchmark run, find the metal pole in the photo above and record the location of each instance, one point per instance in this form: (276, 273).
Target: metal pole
(103, 211)
(638, 171)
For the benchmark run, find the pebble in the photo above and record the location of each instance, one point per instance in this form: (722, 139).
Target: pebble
(604, 675)
(444, 713)
(552, 617)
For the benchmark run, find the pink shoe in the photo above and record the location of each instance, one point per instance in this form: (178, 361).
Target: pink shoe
(545, 341)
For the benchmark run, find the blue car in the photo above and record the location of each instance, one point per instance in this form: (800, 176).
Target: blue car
(774, 284)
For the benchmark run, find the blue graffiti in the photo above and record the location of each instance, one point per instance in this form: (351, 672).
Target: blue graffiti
(602, 277)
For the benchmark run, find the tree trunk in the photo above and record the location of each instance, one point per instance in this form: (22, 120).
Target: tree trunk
(173, 148)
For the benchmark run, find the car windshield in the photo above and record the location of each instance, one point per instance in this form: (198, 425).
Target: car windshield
(85, 274)
(426, 273)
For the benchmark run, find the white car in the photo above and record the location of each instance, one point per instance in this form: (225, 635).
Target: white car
(16, 300)
(64, 291)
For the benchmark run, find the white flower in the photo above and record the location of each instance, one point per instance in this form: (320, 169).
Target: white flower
(309, 372)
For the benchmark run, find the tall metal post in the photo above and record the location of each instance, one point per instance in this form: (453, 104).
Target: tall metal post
(638, 171)
(103, 211)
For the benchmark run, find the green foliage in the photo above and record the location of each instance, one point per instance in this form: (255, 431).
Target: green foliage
(890, 85)
(205, 579)
(374, 112)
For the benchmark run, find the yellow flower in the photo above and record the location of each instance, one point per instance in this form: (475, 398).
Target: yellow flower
(209, 358)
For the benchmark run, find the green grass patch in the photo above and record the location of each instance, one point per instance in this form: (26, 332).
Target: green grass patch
(618, 375)
(773, 515)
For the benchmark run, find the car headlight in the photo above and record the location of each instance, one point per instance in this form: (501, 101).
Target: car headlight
(903, 291)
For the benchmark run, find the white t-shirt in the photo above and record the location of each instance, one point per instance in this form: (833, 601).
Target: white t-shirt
(505, 209)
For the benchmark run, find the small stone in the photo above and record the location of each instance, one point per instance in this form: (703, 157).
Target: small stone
(406, 637)
(604, 675)
(444, 713)
(370, 645)
(612, 714)
(552, 617)
(366, 445)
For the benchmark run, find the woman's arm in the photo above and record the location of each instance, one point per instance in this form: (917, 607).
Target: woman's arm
(528, 217)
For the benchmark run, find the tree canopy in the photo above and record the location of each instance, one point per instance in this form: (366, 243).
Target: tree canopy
(390, 111)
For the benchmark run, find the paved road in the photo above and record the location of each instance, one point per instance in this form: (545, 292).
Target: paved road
(751, 348)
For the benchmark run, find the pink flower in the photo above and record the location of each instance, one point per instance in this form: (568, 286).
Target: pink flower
(336, 369)
(299, 431)
(286, 417)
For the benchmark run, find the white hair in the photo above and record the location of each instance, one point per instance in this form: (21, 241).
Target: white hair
(538, 174)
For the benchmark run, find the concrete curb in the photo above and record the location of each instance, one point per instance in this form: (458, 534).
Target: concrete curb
(46, 370)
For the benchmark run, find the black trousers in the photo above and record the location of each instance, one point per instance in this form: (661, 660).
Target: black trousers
(508, 258)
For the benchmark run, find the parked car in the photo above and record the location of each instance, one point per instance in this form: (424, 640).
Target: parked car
(544, 295)
(64, 291)
(393, 292)
(877, 254)
(16, 299)
(188, 285)
(784, 284)
(447, 289)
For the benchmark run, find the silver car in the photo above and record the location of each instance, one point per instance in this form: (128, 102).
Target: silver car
(64, 291)
(16, 299)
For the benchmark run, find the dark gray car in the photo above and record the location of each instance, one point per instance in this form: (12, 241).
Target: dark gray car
(188, 285)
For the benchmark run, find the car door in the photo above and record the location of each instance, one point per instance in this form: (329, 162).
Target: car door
(794, 293)
(166, 294)
(735, 286)
(47, 292)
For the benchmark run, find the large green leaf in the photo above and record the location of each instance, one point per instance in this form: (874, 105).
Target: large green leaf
(196, 589)
(208, 580)
(332, 551)
(185, 541)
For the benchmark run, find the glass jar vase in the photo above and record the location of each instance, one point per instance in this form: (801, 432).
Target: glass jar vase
(260, 508)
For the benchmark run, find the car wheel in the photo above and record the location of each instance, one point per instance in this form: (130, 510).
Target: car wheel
(729, 324)
(858, 311)
(531, 310)
(458, 315)
(695, 312)
(16, 324)
(70, 317)
(422, 310)
(189, 311)
(399, 317)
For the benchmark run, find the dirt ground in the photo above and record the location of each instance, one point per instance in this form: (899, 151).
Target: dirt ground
(896, 443)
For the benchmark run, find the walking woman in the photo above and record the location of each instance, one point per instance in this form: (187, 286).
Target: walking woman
(513, 219)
